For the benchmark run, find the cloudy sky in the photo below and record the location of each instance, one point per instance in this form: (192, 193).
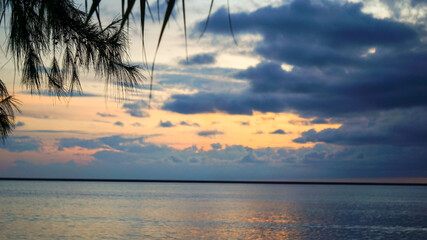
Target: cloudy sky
(313, 90)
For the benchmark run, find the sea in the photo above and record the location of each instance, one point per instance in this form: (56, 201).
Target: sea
(146, 210)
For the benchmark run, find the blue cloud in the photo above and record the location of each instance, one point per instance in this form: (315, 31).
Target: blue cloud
(328, 24)
(118, 123)
(199, 59)
(250, 159)
(278, 131)
(209, 133)
(135, 109)
(184, 123)
(418, 2)
(216, 146)
(166, 124)
(397, 128)
(116, 142)
(20, 124)
(21, 144)
(105, 114)
(76, 142)
(175, 159)
(334, 75)
(223, 102)
(319, 121)
(135, 159)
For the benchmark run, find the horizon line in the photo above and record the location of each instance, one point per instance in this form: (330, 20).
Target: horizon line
(320, 182)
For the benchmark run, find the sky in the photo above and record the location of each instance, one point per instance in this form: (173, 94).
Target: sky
(313, 90)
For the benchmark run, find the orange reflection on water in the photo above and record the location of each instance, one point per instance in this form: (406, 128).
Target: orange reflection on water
(55, 210)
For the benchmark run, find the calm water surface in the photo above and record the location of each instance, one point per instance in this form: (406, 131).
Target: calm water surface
(102, 210)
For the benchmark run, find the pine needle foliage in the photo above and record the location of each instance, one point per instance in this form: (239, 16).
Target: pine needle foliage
(53, 41)
(7, 116)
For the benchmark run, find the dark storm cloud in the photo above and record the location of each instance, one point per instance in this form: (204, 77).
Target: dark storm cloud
(398, 128)
(334, 73)
(398, 82)
(327, 24)
(165, 124)
(200, 78)
(199, 59)
(209, 133)
(243, 103)
(319, 121)
(135, 109)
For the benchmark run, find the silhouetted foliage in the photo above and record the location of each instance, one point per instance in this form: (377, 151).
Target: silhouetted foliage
(52, 41)
(7, 116)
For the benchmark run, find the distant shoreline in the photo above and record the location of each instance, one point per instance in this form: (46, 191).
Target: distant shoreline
(213, 181)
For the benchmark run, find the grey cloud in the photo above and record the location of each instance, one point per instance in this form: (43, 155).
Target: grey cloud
(21, 144)
(300, 122)
(115, 141)
(396, 127)
(166, 124)
(145, 161)
(118, 123)
(199, 59)
(175, 159)
(105, 114)
(209, 133)
(135, 109)
(278, 131)
(332, 76)
(20, 124)
(250, 159)
(319, 121)
(216, 146)
(184, 123)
